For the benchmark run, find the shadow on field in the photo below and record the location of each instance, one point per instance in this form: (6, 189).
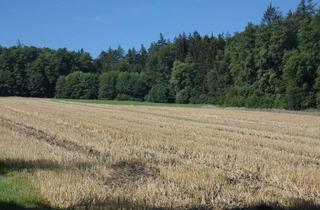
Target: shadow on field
(10, 165)
(297, 204)
(123, 205)
(10, 191)
(124, 170)
(14, 206)
(303, 205)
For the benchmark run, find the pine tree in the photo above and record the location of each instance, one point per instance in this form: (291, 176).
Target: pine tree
(271, 14)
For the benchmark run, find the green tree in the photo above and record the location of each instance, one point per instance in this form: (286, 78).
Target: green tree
(6, 82)
(183, 96)
(124, 85)
(241, 59)
(64, 61)
(13, 64)
(158, 93)
(181, 47)
(60, 91)
(181, 76)
(299, 75)
(107, 85)
(112, 60)
(219, 80)
(81, 85)
(38, 83)
(139, 87)
(318, 87)
(82, 61)
(271, 14)
(131, 86)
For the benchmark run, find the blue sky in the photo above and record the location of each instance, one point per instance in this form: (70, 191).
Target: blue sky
(94, 25)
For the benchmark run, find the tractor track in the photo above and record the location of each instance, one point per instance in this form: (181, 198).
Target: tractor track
(52, 140)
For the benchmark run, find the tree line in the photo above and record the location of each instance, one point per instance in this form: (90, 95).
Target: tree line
(273, 64)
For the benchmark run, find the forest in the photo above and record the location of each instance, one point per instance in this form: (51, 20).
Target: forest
(272, 64)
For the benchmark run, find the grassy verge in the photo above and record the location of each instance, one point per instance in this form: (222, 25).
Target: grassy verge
(135, 103)
(144, 103)
(17, 192)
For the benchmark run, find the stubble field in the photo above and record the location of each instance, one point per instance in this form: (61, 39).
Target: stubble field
(78, 154)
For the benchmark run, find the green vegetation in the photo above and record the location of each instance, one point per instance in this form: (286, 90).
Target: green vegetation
(146, 103)
(16, 192)
(273, 64)
(77, 85)
(133, 103)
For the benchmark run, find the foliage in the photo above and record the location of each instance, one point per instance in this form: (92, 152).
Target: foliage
(317, 87)
(183, 96)
(130, 85)
(78, 85)
(158, 93)
(17, 192)
(107, 85)
(299, 74)
(272, 64)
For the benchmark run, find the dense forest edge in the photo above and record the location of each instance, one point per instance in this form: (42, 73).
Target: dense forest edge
(273, 64)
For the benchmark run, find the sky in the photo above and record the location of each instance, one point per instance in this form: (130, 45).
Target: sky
(94, 25)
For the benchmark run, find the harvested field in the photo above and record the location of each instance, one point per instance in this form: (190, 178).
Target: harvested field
(80, 154)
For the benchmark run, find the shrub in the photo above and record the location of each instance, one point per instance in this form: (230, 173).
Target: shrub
(139, 87)
(279, 101)
(60, 87)
(183, 96)
(197, 97)
(158, 93)
(107, 85)
(124, 97)
(252, 101)
(131, 84)
(78, 85)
